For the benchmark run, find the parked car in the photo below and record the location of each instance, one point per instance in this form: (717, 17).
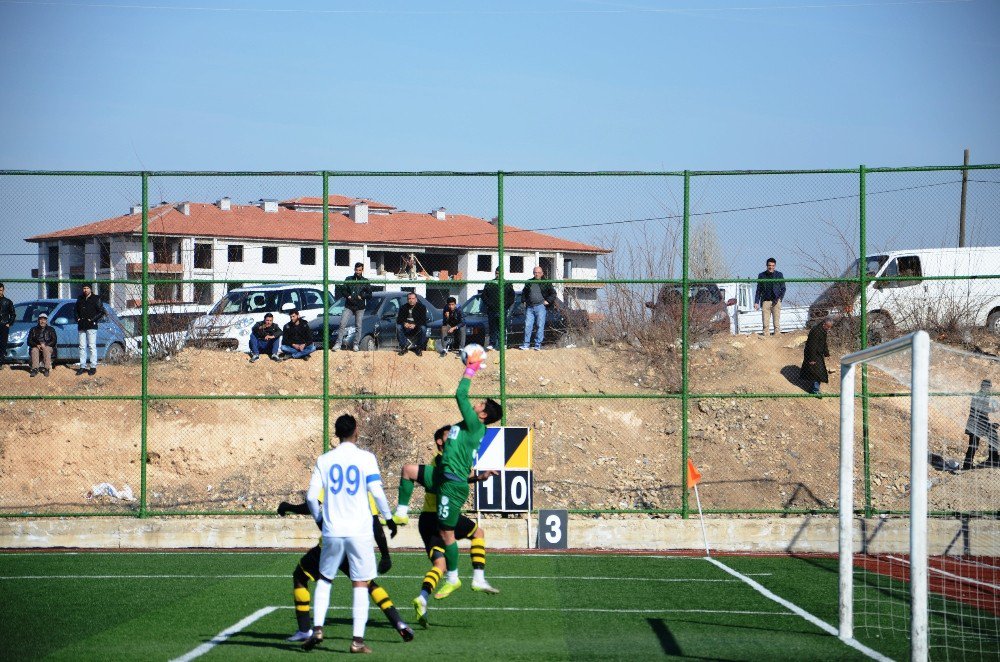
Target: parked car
(706, 310)
(229, 321)
(168, 327)
(970, 299)
(111, 339)
(558, 321)
(379, 325)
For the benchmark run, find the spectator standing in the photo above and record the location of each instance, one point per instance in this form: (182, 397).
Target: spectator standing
(265, 336)
(296, 339)
(491, 304)
(814, 355)
(41, 343)
(89, 313)
(7, 317)
(411, 326)
(978, 426)
(452, 327)
(538, 298)
(356, 291)
(769, 294)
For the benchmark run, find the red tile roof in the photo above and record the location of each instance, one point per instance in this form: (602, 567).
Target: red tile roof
(334, 201)
(409, 229)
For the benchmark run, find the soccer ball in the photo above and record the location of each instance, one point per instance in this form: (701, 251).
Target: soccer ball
(473, 353)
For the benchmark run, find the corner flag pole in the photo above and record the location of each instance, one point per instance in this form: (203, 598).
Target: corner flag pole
(693, 478)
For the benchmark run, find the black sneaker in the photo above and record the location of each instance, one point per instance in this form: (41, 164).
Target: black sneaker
(92, 372)
(402, 351)
(80, 371)
(418, 352)
(315, 640)
(305, 358)
(254, 358)
(274, 357)
(45, 371)
(405, 631)
(32, 373)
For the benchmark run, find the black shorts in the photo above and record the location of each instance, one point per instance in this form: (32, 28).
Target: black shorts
(310, 564)
(430, 532)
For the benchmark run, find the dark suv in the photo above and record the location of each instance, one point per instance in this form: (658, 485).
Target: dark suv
(706, 309)
(379, 326)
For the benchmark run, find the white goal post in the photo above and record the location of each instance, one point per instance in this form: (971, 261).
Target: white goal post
(918, 344)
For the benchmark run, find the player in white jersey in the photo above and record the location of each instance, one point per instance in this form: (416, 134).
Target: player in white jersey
(345, 476)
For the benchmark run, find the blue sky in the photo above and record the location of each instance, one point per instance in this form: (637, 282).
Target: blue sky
(563, 85)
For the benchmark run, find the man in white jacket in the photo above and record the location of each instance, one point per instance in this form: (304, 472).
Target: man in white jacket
(344, 477)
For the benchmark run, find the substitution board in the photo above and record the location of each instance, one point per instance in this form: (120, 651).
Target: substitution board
(507, 450)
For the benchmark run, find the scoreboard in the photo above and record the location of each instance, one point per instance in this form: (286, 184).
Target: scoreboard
(509, 451)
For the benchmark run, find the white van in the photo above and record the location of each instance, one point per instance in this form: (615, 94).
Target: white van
(967, 301)
(229, 321)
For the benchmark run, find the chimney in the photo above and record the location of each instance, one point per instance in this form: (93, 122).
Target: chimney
(495, 220)
(439, 214)
(225, 204)
(358, 212)
(135, 209)
(184, 208)
(269, 206)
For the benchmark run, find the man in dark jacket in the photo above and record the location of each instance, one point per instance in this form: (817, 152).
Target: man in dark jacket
(41, 343)
(537, 299)
(769, 295)
(7, 317)
(411, 326)
(452, 327)
(296, 340)
(356, 292)
(89, 313)
(491, 305)
(265, 336)
(814, 355)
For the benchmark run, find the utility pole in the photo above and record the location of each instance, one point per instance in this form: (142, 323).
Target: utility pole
(961, 212)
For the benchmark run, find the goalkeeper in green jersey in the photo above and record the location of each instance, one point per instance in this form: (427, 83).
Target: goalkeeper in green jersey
(450, 476)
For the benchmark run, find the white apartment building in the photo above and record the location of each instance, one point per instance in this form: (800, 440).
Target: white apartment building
(272, 241)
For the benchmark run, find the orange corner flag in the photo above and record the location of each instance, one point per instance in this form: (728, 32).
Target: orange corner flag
(693, 476)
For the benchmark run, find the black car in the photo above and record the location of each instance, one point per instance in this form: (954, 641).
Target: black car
(379, 325)
(558, 321)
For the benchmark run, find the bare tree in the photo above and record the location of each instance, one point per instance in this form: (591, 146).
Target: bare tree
(705, 259)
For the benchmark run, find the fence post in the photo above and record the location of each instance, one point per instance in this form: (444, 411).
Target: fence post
(684, 344)
(863, 284)
(503, 310)
(144, 400)
(326, 315)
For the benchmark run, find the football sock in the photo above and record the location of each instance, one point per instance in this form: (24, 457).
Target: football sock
(451, 558)
(381, 598)
(405, 492)
(478, 575)
(478, 553)
(322, 601)
(453, 576)
(431, 580)
(360, 610)
(302, 608)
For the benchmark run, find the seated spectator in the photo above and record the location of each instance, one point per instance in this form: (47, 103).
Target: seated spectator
(452, 328)
(265, 337)
(296, 341)
(42, 343)
(411, 326)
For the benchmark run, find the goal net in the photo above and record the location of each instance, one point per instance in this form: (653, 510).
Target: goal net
(919, 559)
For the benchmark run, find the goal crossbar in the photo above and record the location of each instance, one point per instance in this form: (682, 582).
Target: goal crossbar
(918, 344)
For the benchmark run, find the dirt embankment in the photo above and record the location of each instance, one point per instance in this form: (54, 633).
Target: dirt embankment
(620, 452)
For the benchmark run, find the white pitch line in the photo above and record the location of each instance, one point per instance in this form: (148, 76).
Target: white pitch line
(960, 578)
(225, 634)
(285, 576)
(799, 611)
(596, 610)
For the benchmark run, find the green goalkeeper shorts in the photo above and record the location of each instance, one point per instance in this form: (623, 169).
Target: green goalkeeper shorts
(452, 495)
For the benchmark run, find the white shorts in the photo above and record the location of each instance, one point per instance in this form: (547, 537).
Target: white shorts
(360, 554)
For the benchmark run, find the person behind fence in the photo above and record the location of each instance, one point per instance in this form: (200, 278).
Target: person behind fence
(491, 305)
(265, 336)
(356, 291)
(978, 426)
(41, 344)
(452, 328)
(296, 339)
(537, 298)
(89, 313)
(768, 297)
(7, 317)
(814, 355)
(411, 326)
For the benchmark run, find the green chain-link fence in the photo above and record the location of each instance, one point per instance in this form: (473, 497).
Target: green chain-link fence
(630, 382)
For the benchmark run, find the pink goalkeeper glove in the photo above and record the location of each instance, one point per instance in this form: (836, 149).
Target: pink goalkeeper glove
(472, 369)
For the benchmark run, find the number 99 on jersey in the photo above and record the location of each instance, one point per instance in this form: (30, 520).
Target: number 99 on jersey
(508, 492)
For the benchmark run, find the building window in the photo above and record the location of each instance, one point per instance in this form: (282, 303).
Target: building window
(203, 293)
(203, 256)
(105, 248)
(236, 252)
(269, 255)
(233, 286)
(307, 255)
(484, 263)
(341, 258)
(517, 264)
(53, 259)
